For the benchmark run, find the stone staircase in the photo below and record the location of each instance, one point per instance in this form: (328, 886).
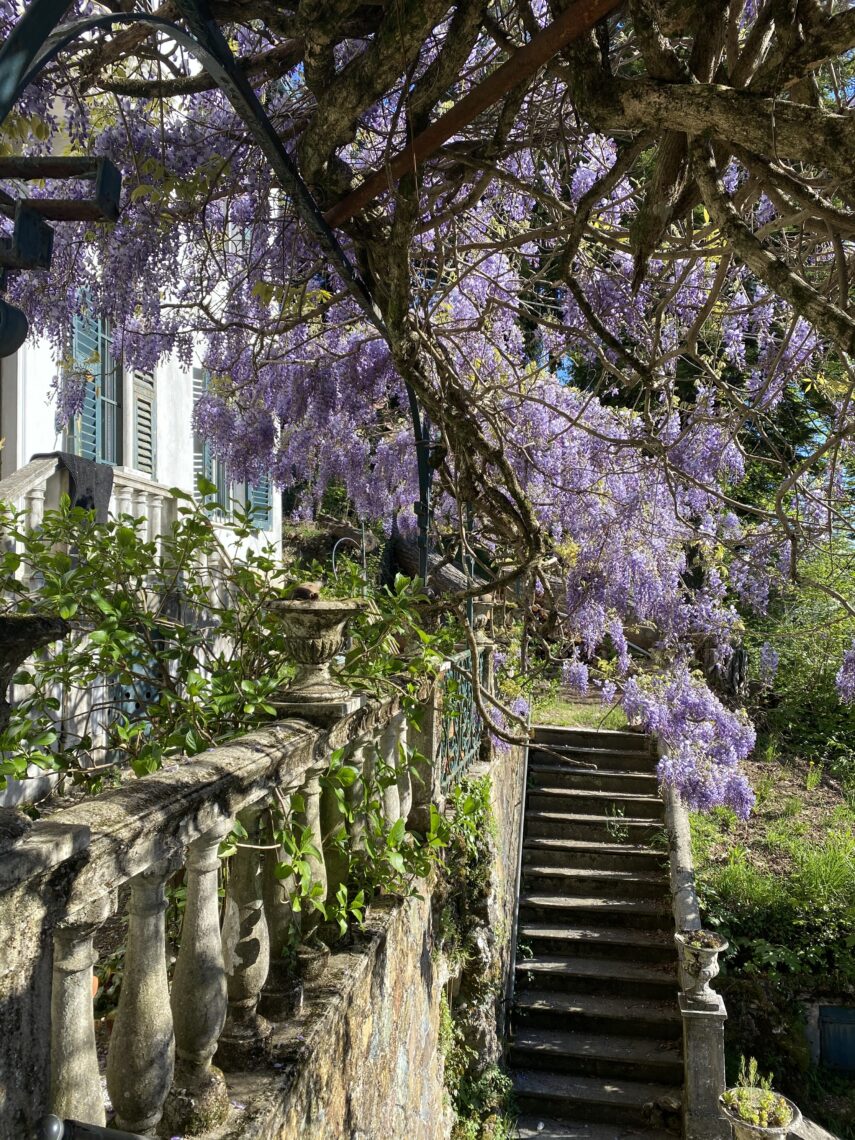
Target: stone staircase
(595, 1052)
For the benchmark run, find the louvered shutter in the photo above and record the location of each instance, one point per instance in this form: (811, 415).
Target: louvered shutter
(84, 429)
(110, 400)
(145, 424)
(261, 501)
(202, 458)
(96, 432)
(205, 463)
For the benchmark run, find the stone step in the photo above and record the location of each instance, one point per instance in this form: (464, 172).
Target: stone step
(590, 759)
(656, 980)
(597, 1055)
(555, 774)
(611, 739)
(596, 1099)
(533, 1126)
(579, 853)
(598, 1013)
(604, 883)
(591, 802)
(612, 942)
(593, 828)
(640, 914)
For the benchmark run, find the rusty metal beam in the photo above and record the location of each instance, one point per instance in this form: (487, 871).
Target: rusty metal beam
(578, 19)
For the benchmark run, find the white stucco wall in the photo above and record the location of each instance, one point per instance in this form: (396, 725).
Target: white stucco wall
(27, 420)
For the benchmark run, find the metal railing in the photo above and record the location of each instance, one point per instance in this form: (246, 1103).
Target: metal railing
(461, 727)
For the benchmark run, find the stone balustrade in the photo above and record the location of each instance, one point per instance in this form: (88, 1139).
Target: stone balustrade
(703, 1021)
(65, 878)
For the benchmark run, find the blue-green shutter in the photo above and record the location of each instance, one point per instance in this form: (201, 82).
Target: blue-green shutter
(84, 430)
(96, 432)
(205, 463)
(261, 501)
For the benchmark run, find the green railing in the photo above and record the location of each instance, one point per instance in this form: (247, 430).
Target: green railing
(461, 726)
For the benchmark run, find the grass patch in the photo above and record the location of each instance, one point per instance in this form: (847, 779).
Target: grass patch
(781, 888)
(576, 714)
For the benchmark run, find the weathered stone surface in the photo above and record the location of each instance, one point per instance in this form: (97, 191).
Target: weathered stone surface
(360, 1061)
(807, 1130)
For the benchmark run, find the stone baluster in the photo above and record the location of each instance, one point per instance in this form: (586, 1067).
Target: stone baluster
(35, 508)
(75, 1080)
(405, 782)
(334, 831)
(122, 499)
(141, 1059)
(361, 759)
(198, 1099)
(279, 995)
(389, 778)
(424, 774)
(310, 817)
(246, 948)
(140, 501)
(155, 515)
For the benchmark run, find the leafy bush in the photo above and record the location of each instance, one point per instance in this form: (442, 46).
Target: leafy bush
(799, 921)
(174, 647)
(810, 631)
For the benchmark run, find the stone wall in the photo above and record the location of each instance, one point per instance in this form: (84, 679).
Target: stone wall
(361, 1061)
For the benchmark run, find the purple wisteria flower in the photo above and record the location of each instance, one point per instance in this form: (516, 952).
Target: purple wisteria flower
(845, 678)
(769, 660)
(574, 675)
(702, 743)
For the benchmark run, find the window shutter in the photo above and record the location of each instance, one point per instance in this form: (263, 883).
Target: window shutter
(145, 424)
(84, 430)
(96, 432)
(110, 399)
(261, 501)
(205, 463)
(202, 458)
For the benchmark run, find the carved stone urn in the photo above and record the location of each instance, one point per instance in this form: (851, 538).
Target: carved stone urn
(699, 951)
(314, 633)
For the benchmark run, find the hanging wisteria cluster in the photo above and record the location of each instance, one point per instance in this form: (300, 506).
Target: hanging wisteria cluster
(606, 291)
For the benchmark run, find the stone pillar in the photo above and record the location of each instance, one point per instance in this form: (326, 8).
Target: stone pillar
(703, 1061)
(141, 1060)
(198, 1099)
(387, 774)
(310, 817)
(75, 1081)
(246, 948)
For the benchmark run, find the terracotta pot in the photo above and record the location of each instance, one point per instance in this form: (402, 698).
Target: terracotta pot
(95, 984)
(742, 1130)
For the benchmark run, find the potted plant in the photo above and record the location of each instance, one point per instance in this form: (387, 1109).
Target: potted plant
(699, 951)
(754, 1109)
